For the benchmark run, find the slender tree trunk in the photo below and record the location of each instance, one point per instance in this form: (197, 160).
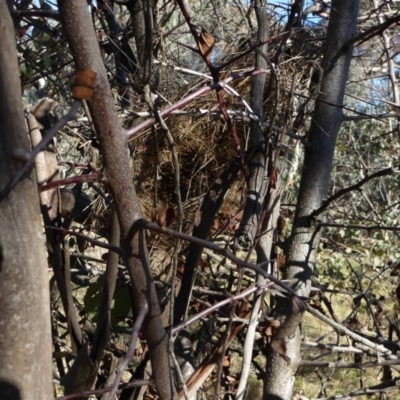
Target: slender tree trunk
(257, 181)
(138, 26)
(304, 239)
(114, 148)
(25, 333)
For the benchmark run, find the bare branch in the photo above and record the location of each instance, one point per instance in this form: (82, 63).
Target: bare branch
(131, 350)
(356, 186)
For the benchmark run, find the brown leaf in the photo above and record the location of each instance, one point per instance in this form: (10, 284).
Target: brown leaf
(274, 178)
(226, 361)
(164, 217)
(170, 216)
(206, 43)
(203, 263)
(215, 225)
(281, 261)
(280, 225)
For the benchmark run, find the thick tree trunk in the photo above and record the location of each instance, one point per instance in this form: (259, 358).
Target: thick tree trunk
(304, 239)
(25, 333)
(114, 148)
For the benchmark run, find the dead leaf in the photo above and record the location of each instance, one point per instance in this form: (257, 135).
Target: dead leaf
(206, 43)
(280, 225)
(281, 261)
(164, 217)
(215, 225)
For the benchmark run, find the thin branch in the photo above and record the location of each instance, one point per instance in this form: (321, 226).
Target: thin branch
(365, 227)
(131, 351)
(258, 268)
(37, 13)
(365, 116)
(356, 186)
(132, 132)
(95, 242)
(342, 364)
(333, 348)
(94, 177)
(381, 388)
(30, 156)
(341, 328)
(87, 393)
(371, 32)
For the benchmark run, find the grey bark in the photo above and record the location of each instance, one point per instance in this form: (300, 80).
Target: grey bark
(25, 333)
(114, 148)
(303, 242)
(135, 8)
(257, 181)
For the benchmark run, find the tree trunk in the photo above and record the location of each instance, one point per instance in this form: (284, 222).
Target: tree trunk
(114, 148)
(135, 8)
(25, 333)
(304, 239)
(257, 181)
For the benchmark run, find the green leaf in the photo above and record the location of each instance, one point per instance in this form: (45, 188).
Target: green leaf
(91, 300)
(121, 304)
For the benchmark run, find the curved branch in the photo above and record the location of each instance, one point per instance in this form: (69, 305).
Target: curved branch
(356, 186)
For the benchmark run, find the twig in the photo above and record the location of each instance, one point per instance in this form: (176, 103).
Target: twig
(37, 13)
(366, 227)
(371, 32)
(40, 147)
(378, 348)
(131, 351)
(356, 186)
(381, 388)
(94, 177)
(333, 348)
(116, 249)
(342, 364)
(376, 116)
(215, 306)
(141, 224)
(87, 393)
(187, 100)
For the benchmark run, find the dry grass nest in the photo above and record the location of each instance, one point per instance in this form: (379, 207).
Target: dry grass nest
(203, 143)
